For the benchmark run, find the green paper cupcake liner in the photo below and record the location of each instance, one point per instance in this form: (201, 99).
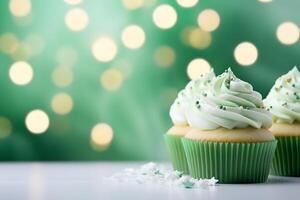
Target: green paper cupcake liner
(229, 162)
(177, 153)
(286, 161)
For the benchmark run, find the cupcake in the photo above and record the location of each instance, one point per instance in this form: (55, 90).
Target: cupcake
(283, 102)
(229, 137)
(180, 124)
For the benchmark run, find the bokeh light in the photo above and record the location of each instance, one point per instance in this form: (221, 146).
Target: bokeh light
(208, 20)
(20, 8)
(133, 4)
(133, 37)
(73, 2)
(198, 38)
(35, 43)
(164, 16)
(164, 56)
(23, 52)
(8, 43)
(62, 77)
(265, 1)
(21, 73)
(102, 135)
(66, 56)
(76, 19)
(5, 127)
(288, 33)
(104, 49)
(37, 121)
(197, 67)
(187, 3)
(111, 79)
(245, 53)
(62, 103)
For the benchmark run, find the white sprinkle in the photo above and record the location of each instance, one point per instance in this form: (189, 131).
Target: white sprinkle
(152, 173)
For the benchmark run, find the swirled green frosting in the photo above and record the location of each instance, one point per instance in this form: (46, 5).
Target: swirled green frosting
(283, 101)
(193, 90)
(230, 103)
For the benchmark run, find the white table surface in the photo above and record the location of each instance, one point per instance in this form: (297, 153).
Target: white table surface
(76, 180)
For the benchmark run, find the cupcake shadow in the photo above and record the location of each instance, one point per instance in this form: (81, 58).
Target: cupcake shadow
(278, 180)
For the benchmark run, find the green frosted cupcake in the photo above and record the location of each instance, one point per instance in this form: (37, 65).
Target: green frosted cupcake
(283, 102)
(178, 116)
(229, 140)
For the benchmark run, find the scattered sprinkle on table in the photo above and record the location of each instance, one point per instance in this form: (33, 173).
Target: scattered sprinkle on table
(152, 173)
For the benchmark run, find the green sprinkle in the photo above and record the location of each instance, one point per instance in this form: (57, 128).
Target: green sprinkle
(179, 174)
(188, 184)
(157, 172)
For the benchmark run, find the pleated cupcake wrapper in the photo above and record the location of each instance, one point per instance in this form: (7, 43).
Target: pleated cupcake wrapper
(286, 161)
(177, 153)
(229, 162)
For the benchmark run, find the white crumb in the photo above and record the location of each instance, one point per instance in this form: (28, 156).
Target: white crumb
(155, 174)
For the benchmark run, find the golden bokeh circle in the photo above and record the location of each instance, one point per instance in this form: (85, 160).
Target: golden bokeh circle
(104, 49)
(9, 43)
(5, 127)
(208, 20)
(288, 33)
(20, 8)
(164, 16)
(164, 56)
(62, 103)
(21, 73)
(37, 121)
(102, 136)
(198, 67)
(133, 37)
(199, 39)
(187, 3)
(111, 79)
(133, 4)
(76, 19)
(245, 53)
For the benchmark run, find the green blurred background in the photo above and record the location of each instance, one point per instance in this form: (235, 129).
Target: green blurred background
(94, 80)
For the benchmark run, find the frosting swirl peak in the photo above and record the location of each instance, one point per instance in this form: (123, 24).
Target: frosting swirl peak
(283, 100)
(229, 103)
